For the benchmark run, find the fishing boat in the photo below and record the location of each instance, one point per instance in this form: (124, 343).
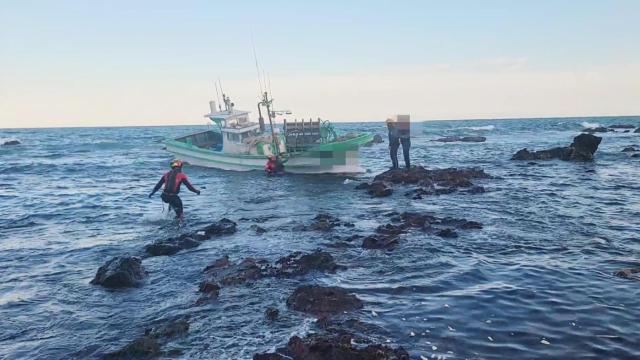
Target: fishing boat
(234, 142)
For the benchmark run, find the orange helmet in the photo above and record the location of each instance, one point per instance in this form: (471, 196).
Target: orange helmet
(176, 163)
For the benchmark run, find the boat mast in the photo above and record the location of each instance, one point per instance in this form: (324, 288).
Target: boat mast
(266, 102)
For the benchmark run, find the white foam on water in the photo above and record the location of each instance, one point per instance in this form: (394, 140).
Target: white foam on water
(4, 140)
(477, 128)
(588, 125)
(157, 217)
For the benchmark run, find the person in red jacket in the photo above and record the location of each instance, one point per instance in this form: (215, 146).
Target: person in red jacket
(274, 165)
(172, 181)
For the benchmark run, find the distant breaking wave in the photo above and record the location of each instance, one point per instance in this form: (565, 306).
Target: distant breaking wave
(588, 125)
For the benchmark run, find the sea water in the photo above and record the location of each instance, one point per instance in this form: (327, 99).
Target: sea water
(535, 282)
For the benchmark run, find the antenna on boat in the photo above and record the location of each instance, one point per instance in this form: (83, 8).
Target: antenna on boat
(255, 57)
(218, 96)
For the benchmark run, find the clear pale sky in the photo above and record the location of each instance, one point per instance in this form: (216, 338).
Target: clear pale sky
(89, 63)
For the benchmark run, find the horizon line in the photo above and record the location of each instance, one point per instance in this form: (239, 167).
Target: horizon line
(340, 122)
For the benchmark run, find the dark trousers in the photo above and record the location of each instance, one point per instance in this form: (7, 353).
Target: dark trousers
(394, 144)
(174, 201)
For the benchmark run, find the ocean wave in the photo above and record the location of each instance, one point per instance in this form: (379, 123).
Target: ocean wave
(4, 140)
(477, 128)
(588, 125)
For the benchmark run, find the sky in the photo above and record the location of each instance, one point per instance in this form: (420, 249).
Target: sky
(113, 63)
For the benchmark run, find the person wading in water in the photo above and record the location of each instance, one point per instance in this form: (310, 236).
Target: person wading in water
(399, 133)
(172, 181)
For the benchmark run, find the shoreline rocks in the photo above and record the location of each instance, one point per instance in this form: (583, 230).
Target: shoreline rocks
(322, 301)
(583, 148)
(120, 272)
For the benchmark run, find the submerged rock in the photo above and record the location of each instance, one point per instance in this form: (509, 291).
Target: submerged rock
(300, 263)
(11, 142)
(323, 222)
(258, 229)
(447, 233)
(630, 149)
(622, 126)
(637, 131)
(190, 240)
(271, 314)
(583, 148)
(628, 273)
(377, 139)
(376, 188)
(149, 345)
(332, 347)
(447, 139)
(598, 129)
(379, 241)
(120, 272)
(320, 300)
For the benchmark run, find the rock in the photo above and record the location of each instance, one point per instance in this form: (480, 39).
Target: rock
(627, 273)
(332, 347)
(248, 269)
(583, 148)
(475, 190)
(258, 229)
(150, 344)
(171, 246)
(209, 288)
(447, 233)
(320, 300)
(627, 131)
(324, 222)
(379, 189)
(174, 245)
(221, 227)
(299, 263)
(630, 149)
(11, 143)
(377, 139)
(218, 263)
(462, 139)
(271, 314)
(120, 272)
(461, 223)
(622, 126)
(637, 131)
(379, 242)
(635, 155)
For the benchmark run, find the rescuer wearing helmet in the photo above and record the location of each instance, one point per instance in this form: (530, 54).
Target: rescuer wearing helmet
(172, 181)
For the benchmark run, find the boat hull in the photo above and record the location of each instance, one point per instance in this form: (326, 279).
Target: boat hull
(336, 158)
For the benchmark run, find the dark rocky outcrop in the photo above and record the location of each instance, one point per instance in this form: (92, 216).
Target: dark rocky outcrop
(622, 126)
(149, 345)
(259, 230)
(637, 131)
(448, 139)
(376, 188)
(380, 241)
(430, 182)
(377, 139)
(628, 273)
(447, 233)
(332, 347)
(583, 148)
(630, 149)
(321, 301)
(190, 240)
(635, 155)
(11, 143)
(299, 263)
(323, 222)
(120, 272)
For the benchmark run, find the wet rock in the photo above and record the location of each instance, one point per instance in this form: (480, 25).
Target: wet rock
(461, 223)
(11, 143)
(379, 189)
(149, 345)
(391, 229)
(476, 190)
(622, 126)
(271, 314)
(258, 229)
(324, 222)
(630, 149)
(583, 148)
(332, 347)
(210, 288)
(171, 246)
(442, 177)
(628, 273)
(320, 300)
(300, 263)
(377, 139)
(462, 139)
(417, 220)
(447, 233)
(637, 131)
(174, 245)
(218, 263)
(379, 241)
(221, 227)
(120, 272)
(635, 155)
(248, 269)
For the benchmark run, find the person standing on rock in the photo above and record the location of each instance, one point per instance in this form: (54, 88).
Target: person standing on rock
(399, 133)
(172, 181)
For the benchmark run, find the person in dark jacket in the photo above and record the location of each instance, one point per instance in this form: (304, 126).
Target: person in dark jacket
(172, 181)
(399, 134)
